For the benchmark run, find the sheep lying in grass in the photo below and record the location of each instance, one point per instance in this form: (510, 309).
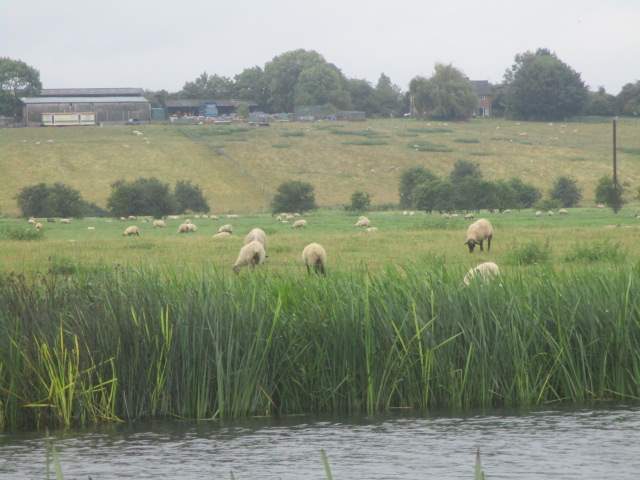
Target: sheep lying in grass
(477, 233)
(299, 224)
(130, 231)
(159, 224)
(131, 217)
(485, 272)
(258, 235)
(252, 254)
(362, 222)
(222, 235)
(187, 228)
(226, 228)
(314, 256)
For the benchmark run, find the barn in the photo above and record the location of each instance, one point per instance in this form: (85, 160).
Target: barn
(98, 105)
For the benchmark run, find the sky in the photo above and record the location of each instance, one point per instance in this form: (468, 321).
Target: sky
(160, 44)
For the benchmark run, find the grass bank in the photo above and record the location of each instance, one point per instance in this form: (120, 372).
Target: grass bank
(110, 345)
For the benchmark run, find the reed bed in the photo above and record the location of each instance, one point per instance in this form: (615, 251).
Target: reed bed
(119, 345)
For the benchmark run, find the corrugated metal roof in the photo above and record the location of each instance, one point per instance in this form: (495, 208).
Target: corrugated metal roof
(38, 100)
(90, 92)
(197, 102)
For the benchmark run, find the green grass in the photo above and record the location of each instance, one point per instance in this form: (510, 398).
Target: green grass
(429, 147)
(239, 170)
(466, 140)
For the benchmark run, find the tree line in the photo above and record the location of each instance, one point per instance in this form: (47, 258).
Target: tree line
(537, 86)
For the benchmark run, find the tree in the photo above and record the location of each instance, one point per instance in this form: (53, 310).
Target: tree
(57, 200)
(360, 201)
(189, 197)
(526, 195)
(409, 179)
(607, 193)
(542, 87)
(565, 190)
(447, 95)
(464, 169)
(321, 85)
(208, 86)
(143, 196)
(628, 99)
(251, 84)
(294, 196)
(362, 96)
(387, 97)
(16, 79)
(434, 194)
(600, 103)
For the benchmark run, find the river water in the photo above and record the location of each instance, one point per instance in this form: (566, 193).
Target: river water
(540, 444)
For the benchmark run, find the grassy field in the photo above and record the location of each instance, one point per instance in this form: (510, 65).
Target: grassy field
(399, 240)
(240, 167)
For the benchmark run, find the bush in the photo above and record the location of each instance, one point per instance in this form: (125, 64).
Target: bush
(57, 200)
(530, 253)
(360, 202)
(144, 196)
(20, 233)
(464, 169)
(607, 193)
(409, 179)
(547, 204)
(603, 251)
(526, 195)
(294, 196)
(566, 191)
(189, 197)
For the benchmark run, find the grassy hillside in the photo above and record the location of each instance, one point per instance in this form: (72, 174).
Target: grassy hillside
(240, 167)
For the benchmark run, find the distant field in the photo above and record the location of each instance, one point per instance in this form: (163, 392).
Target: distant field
(400, 240)
(240, 167)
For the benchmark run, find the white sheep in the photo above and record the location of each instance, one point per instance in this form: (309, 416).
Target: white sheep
(38, 226)
(213, 217)
(131, 217)
(187, 228)
(299, 224)
(226, 228)
(506, 211)
(469, 216)
(222, 235)
(538, 213)
(412, 213)
(485, 272)
(251, 254)
(65, 220)
(131, 230)
(258, 235)
(371, 229)
(477, 233)
(600, 205)
(362, 222)
(314, 256)
(232, 215)
(91, 228)
(563, 211)
(405, 213)
(32, 221)
(159, 224)
(550, 213)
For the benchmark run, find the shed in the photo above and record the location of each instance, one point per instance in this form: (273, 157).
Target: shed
(205, 107)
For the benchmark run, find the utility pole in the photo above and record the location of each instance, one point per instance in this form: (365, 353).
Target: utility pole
(615, 162)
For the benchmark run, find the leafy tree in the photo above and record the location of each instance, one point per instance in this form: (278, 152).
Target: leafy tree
(251, 84)
(208, 86)
(600, 103)
(362, 96)
(360, 201)
(542, 87)
(189, 197)
(566, 192)
(387, 97)
(464, 169)
(526, 195)
(473, 193)
(143, 196)
(57, 200)
(16, 79)
(447, 95)
(434, 194)
(607, 193)
(628, 99)
(409, 179)
(294, 196)
(321, 84)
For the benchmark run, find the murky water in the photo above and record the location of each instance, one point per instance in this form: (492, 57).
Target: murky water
(583, 444)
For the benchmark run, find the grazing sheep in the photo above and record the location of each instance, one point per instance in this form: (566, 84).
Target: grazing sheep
(506, 211)
(454, 215)
(563, 211)
(91, 228)
(222, 235)
(174, 217)
(469, 216)
(226, 228)
(258, 235)
(38, 226)
(232, 215)
(405, 213)
(289, 216)
(213, 217)
(131, 230)
(314, 256)
(299, 224)
(371, 229)
(550, 213)
(446, 215)
(362, 222)
(477, 233)
(412, 213)
(485, 272)
(187, 228)
(251, 254)
(296, 214)
(131, 217)
(538, 213)
(600, 205)
(159, 224)
(65, 220)
(123, 219)
(31, 221)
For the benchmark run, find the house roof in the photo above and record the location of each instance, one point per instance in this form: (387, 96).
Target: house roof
(90, 92)
(197, 102)
(482, 87)
(42, 100)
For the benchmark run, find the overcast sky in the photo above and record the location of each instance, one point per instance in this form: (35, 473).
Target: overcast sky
(160, 44)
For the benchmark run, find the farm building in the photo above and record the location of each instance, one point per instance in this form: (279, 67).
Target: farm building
(97, 105)
(484, 91)
(196, 107)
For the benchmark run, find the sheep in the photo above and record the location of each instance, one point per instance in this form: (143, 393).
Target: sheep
(314, 256)
(123, 219)
(289, 216)
(232, 215)
(187, 228)
(258, 235)
(226, 228)
(563, 211)
(362, 222)
(38, 226)
(91, 228)
(299, 224)
(477, 233)
(600, 205)
(412, 213)
(469, 216)
(485, 272)
(550, 213)
(405, 213)
(251, 254)
(506, 211)
(371, 229)
(538, 213)
(131, 230)
(213, 217)
(446, 215)
(454, 215)
(65, 220)
(159, 224)
(131, 217)
(31, 221)
(296, 214)
(174, 217)
(222, 235)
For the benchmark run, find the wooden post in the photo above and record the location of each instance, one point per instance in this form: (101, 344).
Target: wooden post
(615, 161)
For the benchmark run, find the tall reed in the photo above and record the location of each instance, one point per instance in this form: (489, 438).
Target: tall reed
(109, 345)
